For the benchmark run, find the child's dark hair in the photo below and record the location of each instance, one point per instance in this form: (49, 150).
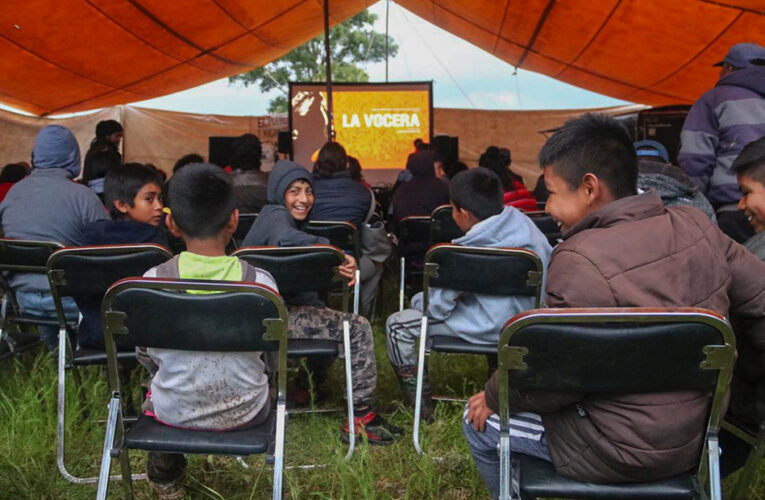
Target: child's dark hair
(201, 199)
(246, 152)
(13, 172)
(478, 191)
(123, 182)
(597, 144)
(491, 160)
(187, 160)
(99, 164)
(332, 158)
(751, 161)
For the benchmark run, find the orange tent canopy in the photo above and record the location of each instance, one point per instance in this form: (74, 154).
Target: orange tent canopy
(74, 55)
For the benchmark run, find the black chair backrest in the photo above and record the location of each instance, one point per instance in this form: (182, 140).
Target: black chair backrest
(81, 271)
(443, 229)
(341, 234)
(25, 255)
(230, 316)
(547, 225)
(614, 350)
(494, 271)
(245, 223)
(297, 269)
(415, 228)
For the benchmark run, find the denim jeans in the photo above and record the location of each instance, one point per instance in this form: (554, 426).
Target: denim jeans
(41, 304)
(484, 446)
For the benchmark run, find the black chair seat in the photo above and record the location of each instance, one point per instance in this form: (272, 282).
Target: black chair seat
(539, 479)
(85, 356)
(442, 343)
(304, 348)
(148, 434)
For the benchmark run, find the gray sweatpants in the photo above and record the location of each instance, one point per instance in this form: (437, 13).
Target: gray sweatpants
(403, 331)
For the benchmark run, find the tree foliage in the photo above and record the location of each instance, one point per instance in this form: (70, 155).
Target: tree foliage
(352, 43)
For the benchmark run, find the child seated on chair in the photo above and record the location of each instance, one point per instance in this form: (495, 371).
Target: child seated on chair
(622, 249)
(290, 199)
(133, 195)
(477, 208)
(202, 204)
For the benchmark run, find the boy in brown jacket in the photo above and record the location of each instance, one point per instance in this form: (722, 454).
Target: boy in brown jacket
(620, 249)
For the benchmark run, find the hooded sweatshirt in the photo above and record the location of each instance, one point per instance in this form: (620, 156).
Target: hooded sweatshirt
(276, 227)
(480, 318)
(718, 126)
(424, 192)
(47, 205)
(673, 186)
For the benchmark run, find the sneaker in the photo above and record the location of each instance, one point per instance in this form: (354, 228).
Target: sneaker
(375, 428)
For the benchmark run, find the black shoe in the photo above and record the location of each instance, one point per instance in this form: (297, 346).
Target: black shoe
(375, 428)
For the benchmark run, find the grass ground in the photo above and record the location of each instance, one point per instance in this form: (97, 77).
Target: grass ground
(28, 436)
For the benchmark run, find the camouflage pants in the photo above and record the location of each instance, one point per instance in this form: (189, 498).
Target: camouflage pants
(306, 322)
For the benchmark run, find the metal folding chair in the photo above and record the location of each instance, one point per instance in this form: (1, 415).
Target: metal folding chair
(488, 271)
(547, 225)
(344, 236)
(413, 234)
(22, 256)
(156, 313)
(681, 349)
(443, 229)
(302, 269)
(85, 274)
(245, 223)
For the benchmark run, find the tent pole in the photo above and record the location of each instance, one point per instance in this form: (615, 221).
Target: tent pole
(387, 7)
(330, 116)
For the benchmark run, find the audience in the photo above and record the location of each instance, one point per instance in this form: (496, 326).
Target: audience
(11, 174)
(203, 213)
(338, 197)
(622, 249)
(187, 160)
(108, 137)
(476, 198)
(48, 206)
(515, 193)
(290, 200)
(249, 181)
(95, 168)
(749, 168)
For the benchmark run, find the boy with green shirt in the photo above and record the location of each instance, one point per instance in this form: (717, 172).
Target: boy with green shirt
(187, 388)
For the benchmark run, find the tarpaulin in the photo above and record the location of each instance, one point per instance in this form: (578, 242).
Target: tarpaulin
(69, 55)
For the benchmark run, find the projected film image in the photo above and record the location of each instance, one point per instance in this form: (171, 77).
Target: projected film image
(375, 123)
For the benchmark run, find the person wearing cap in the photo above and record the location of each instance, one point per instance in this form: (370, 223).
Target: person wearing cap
(108, 138)
(718, 126)
(669, 182)
(48, 206)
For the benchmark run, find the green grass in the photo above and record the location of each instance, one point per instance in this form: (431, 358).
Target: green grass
(28, 435)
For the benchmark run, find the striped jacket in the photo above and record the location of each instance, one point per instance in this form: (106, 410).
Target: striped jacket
(719, 125)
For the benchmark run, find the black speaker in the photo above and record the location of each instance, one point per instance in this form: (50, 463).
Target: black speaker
(663, 124)
(219, 150)
(284, 144)
(447, 148)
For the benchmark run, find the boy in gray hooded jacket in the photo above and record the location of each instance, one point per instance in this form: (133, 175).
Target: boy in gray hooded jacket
(476, 197)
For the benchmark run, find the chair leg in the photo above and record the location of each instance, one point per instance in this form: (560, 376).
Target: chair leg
(741, 488)
(505, 488)
(357, 292)
(420, 375)
(106, 457)
(281, 416)
(401, 285)
(349, 386)
(713, 453)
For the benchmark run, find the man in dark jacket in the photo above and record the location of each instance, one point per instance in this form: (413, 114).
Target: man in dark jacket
(424, 192)
(621, 249)
(719, 125)
(249, 181)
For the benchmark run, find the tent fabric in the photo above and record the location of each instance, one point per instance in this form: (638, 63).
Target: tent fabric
(73, 55)
(162, 137)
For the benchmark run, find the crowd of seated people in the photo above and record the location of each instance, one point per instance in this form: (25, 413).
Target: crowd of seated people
(636, 233)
